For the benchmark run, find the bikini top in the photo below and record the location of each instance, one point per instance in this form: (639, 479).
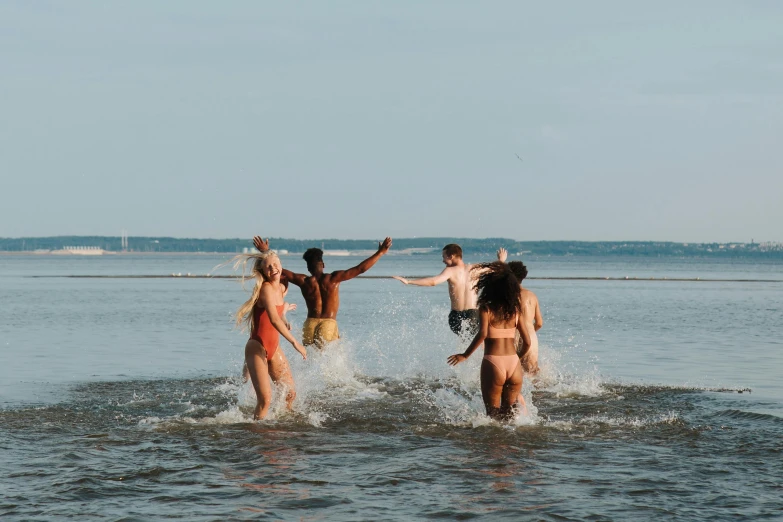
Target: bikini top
(502, 333)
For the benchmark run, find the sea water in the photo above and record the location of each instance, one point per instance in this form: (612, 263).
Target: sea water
(121, 398)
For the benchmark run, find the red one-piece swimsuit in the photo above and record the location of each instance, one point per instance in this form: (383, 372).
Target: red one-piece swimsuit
(264, 332)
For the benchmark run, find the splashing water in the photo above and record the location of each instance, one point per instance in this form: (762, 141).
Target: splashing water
(382, 427)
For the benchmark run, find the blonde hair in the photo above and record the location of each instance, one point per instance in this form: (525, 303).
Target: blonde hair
(244, 315)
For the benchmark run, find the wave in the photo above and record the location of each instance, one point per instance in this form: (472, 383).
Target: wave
(332, 388)
(749, 416)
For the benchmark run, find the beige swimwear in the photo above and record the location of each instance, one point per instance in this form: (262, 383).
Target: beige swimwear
(319, 331)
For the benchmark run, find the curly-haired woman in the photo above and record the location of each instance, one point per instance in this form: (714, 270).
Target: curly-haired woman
(500, 317)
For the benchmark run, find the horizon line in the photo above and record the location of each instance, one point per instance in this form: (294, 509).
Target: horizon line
(489, 238)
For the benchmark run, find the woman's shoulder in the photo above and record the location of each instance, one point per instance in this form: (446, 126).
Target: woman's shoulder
(268, 290)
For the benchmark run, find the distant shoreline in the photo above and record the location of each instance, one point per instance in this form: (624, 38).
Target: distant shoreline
(750, 256)
(539, 278)
(110, 253)
(108, 245)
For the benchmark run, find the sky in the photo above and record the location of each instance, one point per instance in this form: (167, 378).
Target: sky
(563, 120)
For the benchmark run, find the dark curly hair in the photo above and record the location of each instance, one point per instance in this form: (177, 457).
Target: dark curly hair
(498, 290)
(313, 256)
(519, 269)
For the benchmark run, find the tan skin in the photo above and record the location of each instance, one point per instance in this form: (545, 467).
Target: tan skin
(288, 307)
(531, 314)
(499, 394)
(321, 290)
(261, 368)
(460, 277)
(531, 308)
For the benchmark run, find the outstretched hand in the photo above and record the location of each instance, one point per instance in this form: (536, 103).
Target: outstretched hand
(289, 307)
(455, 359)
(385, 245)
(400, 279)
(301, 349)
(262, 245)
(502, 254)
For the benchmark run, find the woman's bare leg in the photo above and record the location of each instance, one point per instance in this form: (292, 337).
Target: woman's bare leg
(255, 358)
(280, 372)
(492, 382)
(512, 393)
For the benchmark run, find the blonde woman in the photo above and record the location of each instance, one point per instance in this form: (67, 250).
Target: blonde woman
(263, 315)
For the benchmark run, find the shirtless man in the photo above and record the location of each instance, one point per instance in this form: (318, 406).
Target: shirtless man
(321, 291)
(464, 317)
(531, 315)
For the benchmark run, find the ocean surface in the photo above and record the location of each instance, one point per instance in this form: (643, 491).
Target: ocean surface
(121, 398)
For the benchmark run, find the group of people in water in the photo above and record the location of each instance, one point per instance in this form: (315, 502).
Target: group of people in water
(488, 302)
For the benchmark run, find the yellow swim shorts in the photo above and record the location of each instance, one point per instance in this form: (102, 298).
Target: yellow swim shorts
(319, 331)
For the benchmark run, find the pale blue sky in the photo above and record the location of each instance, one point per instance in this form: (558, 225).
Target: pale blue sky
(635, 120)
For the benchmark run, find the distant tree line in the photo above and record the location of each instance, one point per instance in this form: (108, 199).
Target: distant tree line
(469, 246)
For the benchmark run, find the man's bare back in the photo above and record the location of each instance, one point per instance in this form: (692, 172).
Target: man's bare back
(322, 294)
(321, 290)
(462, 293)
(460, 278)
(532, 322)
(530, 310)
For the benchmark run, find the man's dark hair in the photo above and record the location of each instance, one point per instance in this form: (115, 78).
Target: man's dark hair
(313, 256)
(453, 249)
(498, 290)
(519, 270)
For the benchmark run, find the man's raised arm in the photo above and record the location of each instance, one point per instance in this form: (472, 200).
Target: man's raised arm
(262, 245)
(338, 276)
